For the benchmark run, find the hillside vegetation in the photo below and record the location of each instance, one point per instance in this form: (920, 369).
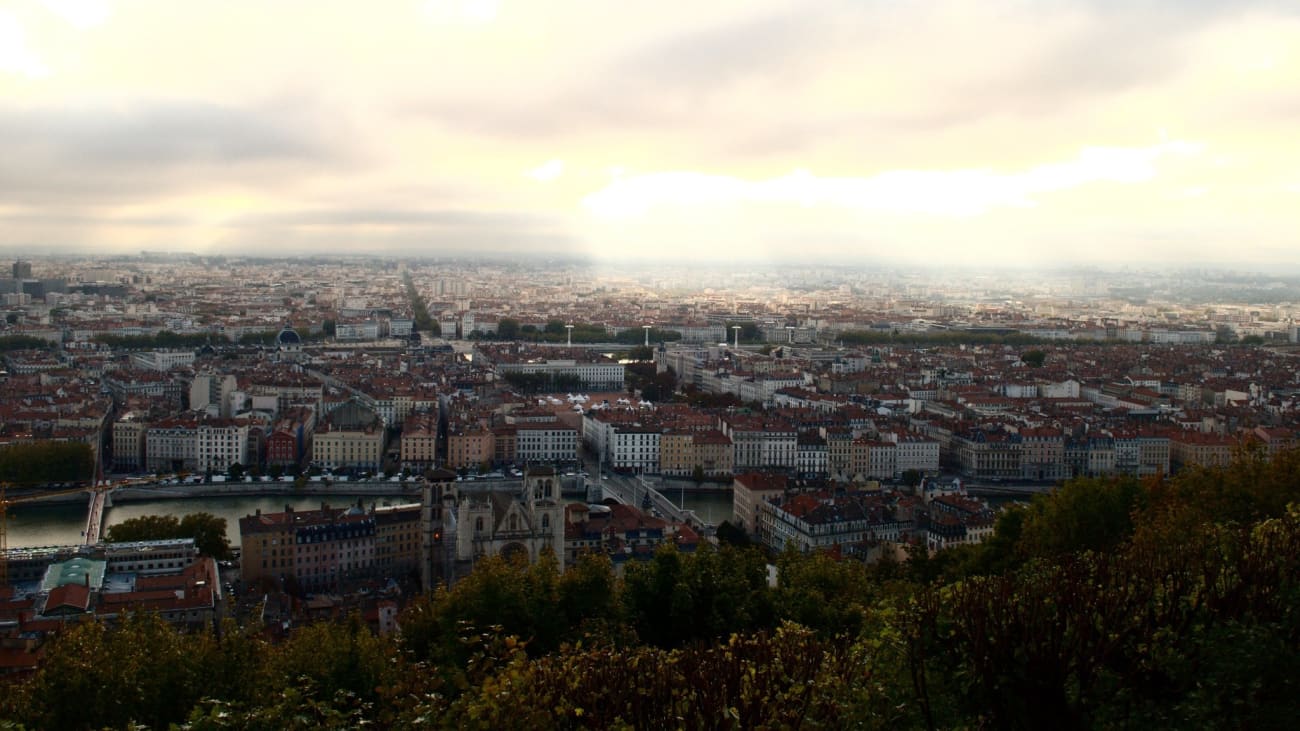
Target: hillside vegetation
(1164, 603)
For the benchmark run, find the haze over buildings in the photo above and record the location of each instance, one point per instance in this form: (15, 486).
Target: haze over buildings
(1003, 133)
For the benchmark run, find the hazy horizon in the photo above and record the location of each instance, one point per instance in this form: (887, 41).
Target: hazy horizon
(993, 134)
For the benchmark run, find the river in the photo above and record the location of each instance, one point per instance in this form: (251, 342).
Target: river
(61, 523)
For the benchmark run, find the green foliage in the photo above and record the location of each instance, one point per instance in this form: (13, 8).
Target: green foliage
(327, 658)
(520, 599)
(749, 332)
(1180, 615)
(46, 462)
(265, 337)
(207, 530)
(1033, 358)
(641, 353)
(678, 598)
(784, 679)
(507, 328)
(544, 382)
(420, 311)
(141, 670)
(165, 339)
(10, 343)
(821, 593)
(1084, 514)
(637, 336)
(941, 338)
(730, 534)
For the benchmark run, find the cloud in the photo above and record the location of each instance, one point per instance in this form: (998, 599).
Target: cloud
(547, 171)
(396, 231)
(944, 127)
(447, 219)
(906, 192)
(135, 147)
(16, 56)
(83, 14)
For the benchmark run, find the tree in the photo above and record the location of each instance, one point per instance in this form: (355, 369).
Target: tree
(1082, 515)
(821, 593)
(731, 534)
(209, 534)
(1033, 358)
(912, 478)
(207, 530)
(677, 598)
(235, 472)
(46, 462)
(589, 594)
(508, 328)
(641, 352)
(145, 528)
(141, 671)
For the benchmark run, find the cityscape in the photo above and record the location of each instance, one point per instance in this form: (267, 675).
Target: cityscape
(440, 413)
(483, 364)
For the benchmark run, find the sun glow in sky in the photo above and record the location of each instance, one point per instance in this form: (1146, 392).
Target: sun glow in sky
(1000, 131)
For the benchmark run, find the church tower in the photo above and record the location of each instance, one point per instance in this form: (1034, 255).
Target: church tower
(545, 510)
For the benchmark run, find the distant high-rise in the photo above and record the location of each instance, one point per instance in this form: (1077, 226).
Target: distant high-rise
(22, 269)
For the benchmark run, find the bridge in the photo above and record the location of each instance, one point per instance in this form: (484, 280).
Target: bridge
(639, 490)
(93, 531)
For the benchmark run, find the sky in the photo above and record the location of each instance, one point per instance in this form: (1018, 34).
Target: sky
(1003, 132)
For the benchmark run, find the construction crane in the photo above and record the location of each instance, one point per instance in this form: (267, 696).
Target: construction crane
(6, 501)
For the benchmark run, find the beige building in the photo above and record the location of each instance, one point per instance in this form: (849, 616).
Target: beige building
(351, 436)
(419, 447)
(750, 489)
(128, 442)
(1194, 448)
(682, 451)
(677, 453)
(469, 447)
(334, 447)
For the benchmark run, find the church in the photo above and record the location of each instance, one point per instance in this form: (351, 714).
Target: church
(482, 519)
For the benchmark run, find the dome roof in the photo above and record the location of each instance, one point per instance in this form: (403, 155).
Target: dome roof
(287, 336)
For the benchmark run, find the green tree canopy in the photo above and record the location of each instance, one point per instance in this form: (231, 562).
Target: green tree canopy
(40, 463)
(207, 530)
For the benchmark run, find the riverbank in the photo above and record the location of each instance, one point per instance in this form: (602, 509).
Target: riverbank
(267, 489)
